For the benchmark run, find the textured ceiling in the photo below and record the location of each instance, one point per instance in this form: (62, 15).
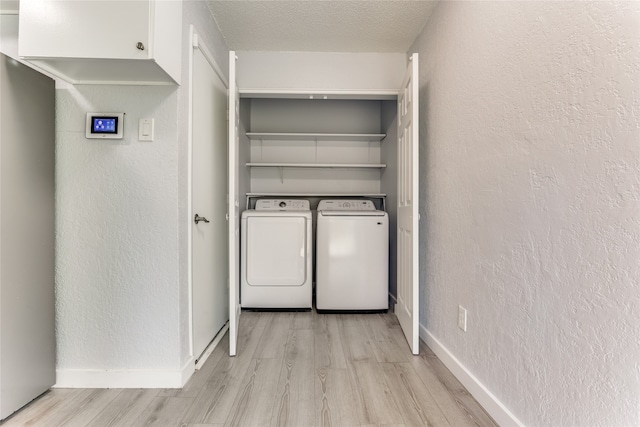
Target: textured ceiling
(321, 25)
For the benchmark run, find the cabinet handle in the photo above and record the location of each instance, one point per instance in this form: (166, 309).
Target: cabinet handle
(140, 46)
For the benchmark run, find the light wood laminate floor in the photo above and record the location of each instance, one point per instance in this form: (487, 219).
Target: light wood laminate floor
(293, 369)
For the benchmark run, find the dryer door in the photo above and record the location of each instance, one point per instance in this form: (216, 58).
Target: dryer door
(276, 251)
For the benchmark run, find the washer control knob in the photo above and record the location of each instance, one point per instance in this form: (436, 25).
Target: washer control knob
(282, 204)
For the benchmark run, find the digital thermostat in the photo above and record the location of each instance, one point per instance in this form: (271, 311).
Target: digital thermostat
(105, 125)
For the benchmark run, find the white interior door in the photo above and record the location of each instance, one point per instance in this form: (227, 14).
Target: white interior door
(27, 171)
(234, 205)
(407, 308)
(209, 188)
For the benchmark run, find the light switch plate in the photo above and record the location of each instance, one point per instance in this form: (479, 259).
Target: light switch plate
(145, 130)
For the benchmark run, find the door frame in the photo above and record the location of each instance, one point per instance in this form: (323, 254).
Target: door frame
(234, 270)
(195, 43)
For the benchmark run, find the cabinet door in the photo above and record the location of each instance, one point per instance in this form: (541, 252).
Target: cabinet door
(85, 29)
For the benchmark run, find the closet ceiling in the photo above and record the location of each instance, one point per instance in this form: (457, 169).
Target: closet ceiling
(321, 25)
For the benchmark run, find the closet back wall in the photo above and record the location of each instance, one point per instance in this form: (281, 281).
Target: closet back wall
(314, 116)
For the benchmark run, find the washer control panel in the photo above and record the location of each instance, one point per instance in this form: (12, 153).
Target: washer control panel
(346, 205)
(282, 205)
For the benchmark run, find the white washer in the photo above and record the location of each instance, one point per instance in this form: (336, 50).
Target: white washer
(352, 256)
(276, 255)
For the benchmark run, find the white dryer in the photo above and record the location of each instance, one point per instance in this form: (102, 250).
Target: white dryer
(276, 255)
(352, 256)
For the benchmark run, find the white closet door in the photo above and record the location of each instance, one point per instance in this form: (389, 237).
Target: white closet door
(407, 308)
(209, 239)
(234, 207)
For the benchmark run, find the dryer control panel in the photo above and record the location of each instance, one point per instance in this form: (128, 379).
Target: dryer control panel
(346, 205)
(282, 205)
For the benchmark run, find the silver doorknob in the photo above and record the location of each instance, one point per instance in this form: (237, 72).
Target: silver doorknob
(199, 218)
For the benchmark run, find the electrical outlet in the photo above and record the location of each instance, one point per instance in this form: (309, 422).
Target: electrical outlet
(462, 318)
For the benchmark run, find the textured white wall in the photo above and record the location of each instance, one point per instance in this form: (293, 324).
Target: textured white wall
(117, 232)
(122, 226)
(530, 203)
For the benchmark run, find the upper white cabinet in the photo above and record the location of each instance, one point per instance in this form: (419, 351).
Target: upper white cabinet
(103, 41)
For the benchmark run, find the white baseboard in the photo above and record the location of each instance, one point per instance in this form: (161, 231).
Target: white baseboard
(187, 370)
(489, 402)
(126, 378)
